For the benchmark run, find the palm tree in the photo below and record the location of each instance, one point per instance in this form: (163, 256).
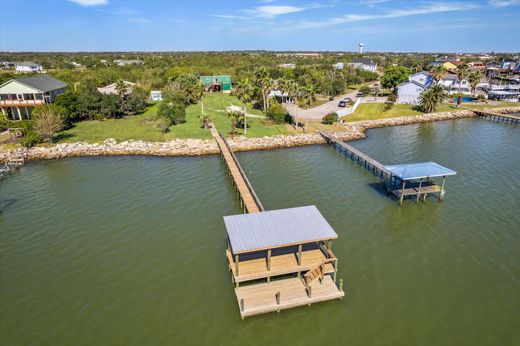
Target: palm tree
(245, 91)
(283, 86)
(431, 98)
(462, 73)
(236, 117)
(474, 79)
(308, 95)
(121, 90)
(265, 83)
(205, 120)
(437, 72)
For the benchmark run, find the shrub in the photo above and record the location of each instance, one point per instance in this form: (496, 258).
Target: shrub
(329, 119)
(48, 121)
(276, 113)
(392, 98)
(30, 139)
(173, 110)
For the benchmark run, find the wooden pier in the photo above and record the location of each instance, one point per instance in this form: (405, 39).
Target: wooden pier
(507, 118)
(402, 181)
(249, 201)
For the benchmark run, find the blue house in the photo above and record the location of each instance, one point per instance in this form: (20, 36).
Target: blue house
(410, 92)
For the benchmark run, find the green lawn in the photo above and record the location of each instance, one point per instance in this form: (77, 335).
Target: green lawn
(370, 111)
(142, 126)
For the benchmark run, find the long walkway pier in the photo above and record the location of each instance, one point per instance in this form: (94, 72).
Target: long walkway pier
(404, 180)
(508, 118)
(249, 201)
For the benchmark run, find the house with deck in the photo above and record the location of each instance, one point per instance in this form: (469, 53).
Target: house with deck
(19, 96)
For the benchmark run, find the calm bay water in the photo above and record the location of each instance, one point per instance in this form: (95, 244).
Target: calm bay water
(130, 250)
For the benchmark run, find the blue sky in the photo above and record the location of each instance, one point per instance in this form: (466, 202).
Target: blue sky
(159, 25)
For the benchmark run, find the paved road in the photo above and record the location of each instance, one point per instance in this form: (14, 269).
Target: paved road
(317, 113)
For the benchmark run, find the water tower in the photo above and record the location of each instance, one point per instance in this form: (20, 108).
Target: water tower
(361, 48)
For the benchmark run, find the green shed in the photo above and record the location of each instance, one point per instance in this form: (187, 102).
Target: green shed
(216, 83)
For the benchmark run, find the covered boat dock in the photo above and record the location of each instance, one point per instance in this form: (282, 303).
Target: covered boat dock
(281, 259)
(415, 180)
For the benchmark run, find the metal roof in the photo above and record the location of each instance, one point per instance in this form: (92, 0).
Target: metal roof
(411, 171)
(42, 83)
(277, 228)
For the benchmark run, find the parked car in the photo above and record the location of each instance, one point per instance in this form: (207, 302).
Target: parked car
(360, 94)
(342, 104)
(331, 98)
(347, 99)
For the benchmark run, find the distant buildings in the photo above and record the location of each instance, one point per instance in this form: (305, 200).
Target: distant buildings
(18, 97)
(156, 95)
(364, 64)
(120, 62)
(27, 67)
(111, 89)
(300, 55)
(287, 65)
(410, 92)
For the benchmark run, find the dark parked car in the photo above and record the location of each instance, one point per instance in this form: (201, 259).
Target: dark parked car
(347, 99)
(331, 98)
(360, 94)
(342, 104)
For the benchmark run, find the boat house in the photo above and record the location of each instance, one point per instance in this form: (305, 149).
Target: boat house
(281, 259)
(415, 180)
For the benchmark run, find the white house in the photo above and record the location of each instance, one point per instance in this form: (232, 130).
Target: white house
(410, 92)
(287, 65)
(27, 67)
(451, 83)
(364, 64)
(156, 95)
(18, 97)
(339, 66)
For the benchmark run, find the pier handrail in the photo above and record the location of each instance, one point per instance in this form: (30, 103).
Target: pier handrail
(244, 176)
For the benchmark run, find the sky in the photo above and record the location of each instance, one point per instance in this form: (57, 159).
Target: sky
(219, 25)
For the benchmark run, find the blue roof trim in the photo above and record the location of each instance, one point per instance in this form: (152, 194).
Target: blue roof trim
(412, 171)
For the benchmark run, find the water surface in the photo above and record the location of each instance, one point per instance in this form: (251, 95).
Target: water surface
(130, 250)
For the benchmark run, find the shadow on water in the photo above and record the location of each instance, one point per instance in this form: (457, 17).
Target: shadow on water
(6, 204)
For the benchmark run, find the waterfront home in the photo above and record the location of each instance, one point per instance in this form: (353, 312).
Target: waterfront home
(410, 92)
(364, 64)
(27, 67)
(503, 95)
(452, 83)
(18, 97)
(156, 95)
(111, 89)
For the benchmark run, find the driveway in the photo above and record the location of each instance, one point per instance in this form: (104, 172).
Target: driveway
(317, 113)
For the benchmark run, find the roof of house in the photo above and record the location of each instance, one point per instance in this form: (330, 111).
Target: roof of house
(421, 170)
(363, 61)
(112, 88)
(277, 228)
(41, 83)
(27, 63)
(413, 82)
(426, 73)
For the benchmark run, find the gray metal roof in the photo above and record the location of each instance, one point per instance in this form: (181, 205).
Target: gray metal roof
(42, 83)
(277, 228)
(411, 171)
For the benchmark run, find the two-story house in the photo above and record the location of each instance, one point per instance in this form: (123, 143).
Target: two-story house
(410, 92)
(19, 96)
(27, 67)
(364, 64)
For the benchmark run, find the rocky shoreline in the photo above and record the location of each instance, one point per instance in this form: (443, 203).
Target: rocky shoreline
(197, 147)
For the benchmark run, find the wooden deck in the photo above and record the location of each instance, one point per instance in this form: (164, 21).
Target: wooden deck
(356, 155)
(513, 119)
(284, 294)
(280, 265)
(414, 191)
(249, 200)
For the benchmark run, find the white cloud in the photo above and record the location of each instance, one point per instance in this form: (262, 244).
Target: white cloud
(90, 2)
(274, 11)
(230, 16)
(406, 12)
(504, 3)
